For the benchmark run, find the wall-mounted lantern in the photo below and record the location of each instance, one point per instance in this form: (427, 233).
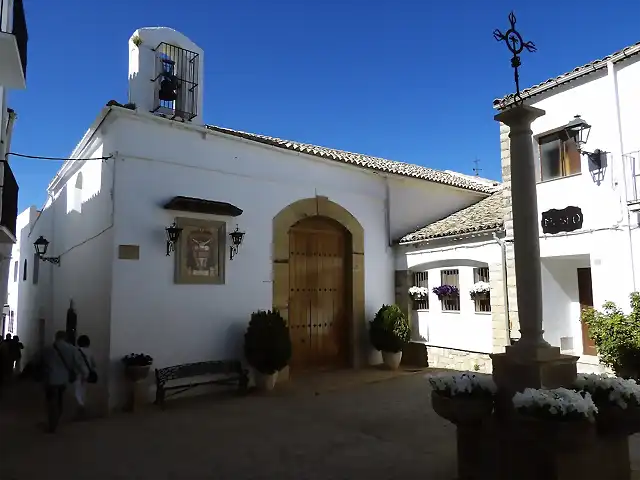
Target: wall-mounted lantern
(236, 240)
(578, 130)
(41, 245)
(173, 234)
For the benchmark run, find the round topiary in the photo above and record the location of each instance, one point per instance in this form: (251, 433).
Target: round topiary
(389, 331)
(267, 345)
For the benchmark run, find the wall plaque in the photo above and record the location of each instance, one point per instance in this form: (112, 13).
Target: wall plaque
(568, 219)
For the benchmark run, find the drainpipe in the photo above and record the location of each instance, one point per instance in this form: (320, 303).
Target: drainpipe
(503, 249)
(611, 72)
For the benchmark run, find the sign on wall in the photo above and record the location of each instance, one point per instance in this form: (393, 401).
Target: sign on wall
(568, 219)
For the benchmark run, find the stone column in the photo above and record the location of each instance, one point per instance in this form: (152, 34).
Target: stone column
(531, 362)
(525, 229)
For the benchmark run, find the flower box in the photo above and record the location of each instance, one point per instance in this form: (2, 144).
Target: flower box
(617, 400)
(418, 293)
(446, 291)
(562, 416)
(464, 398)
(480, 291)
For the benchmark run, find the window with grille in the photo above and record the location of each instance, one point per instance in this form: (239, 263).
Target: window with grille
(450, 277)
(421, 279)
(483, 302)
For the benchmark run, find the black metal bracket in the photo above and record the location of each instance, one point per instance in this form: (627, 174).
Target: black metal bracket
(54, 260)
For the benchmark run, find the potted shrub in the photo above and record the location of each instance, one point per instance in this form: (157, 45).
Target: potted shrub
(446, 291)
(267, 346)
(617, 400)
(136, 366)
(389, 332)
(562, 415)
(463, 398)
(617, 336)
(480, 291)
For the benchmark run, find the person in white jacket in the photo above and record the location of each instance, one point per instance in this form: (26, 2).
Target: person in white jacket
(81, 383)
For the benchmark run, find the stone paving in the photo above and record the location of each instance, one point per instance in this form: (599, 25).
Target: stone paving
(381, 430)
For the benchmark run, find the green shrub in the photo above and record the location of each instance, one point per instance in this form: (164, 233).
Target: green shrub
(267, 345)
(389, 331)
(617, 336)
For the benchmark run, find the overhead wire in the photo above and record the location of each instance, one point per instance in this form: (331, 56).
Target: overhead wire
(38, 157)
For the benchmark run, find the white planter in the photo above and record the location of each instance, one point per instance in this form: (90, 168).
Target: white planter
(265, 382)
(392, 360)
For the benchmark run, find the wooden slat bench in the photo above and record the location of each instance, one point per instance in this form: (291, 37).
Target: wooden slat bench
(226, 372)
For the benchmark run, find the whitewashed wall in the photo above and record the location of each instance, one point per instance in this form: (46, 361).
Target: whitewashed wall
(463, 330)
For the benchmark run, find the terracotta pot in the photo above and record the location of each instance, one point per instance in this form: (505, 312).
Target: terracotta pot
(392, 359)
(614, 420)
(265, 382)
(565, 434)
(462, 410)
(137, 373)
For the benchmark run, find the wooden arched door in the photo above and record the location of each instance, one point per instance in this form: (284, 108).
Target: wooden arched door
(318, 253)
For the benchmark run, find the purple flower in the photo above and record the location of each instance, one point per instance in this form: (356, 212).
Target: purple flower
(446, 291)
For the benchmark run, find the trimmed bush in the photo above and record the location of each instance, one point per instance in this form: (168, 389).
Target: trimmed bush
(389, 331)
(267, 345)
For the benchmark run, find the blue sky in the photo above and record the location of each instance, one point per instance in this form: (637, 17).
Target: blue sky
(408, 80)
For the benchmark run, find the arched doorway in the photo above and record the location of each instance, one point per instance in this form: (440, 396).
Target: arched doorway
(319, 250)
(332, 220)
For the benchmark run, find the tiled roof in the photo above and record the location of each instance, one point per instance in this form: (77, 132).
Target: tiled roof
(487, 214)
(372, 163)
(577, 72)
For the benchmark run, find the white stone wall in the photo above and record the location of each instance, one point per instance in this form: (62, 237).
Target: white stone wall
(463, 360)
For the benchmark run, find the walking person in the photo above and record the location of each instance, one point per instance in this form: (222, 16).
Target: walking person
(63, 365)
(84, 344)
(6, 361)
(16, 354)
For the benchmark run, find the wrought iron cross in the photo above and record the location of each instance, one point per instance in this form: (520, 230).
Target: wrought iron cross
(516, 45)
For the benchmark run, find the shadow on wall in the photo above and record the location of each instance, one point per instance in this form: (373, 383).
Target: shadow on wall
(81, 236)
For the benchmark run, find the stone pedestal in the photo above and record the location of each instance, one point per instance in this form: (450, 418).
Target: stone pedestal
(138, 395)
(498, 452)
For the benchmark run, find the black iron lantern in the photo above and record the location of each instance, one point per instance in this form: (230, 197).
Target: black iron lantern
(236, 240)
(42, 245)
(173, 234)
(578, 130)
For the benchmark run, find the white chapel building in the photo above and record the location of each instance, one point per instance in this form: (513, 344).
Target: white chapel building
(319, 229)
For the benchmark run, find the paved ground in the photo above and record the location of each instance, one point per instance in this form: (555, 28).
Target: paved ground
(383, 430)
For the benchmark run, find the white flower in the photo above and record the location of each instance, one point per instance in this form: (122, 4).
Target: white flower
(462, 383)
(480, 287)
(558, 402)
(419, 291)
(621, 392)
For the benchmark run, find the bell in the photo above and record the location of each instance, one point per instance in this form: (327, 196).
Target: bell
(168, 88)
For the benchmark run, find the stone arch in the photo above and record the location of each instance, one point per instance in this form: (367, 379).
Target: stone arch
(322, 207)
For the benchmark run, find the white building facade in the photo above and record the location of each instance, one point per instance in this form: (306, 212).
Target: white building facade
(13, 72)
(319, 226)
(597, 260)
(588, 198)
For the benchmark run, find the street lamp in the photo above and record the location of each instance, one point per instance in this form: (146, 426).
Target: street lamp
(236, 240)
(41, 245)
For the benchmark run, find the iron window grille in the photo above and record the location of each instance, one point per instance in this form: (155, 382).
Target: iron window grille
(176, 82)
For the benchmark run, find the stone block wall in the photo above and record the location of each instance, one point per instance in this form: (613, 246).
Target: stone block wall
(440, 357)
(505, 158)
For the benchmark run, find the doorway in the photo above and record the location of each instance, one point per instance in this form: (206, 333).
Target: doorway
(585, 297)
(319, 253)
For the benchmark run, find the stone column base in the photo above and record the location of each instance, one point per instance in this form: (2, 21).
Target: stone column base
(513, 373)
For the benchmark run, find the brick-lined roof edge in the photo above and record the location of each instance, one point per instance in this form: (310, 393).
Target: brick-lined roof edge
(371, 163)
(589, 68)
(485, 215)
